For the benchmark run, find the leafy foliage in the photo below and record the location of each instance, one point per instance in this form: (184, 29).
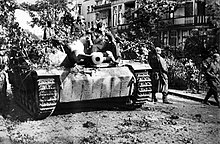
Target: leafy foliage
(147, 16)
(8, 36)
(137, 49)
(195, 49)
(53, 14)
(213, 10)
(184, 74)
(24, 50)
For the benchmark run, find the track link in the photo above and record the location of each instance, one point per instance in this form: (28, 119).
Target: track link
(143, 87)
(42, 101)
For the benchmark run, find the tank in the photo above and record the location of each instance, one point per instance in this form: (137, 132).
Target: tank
(39, 90)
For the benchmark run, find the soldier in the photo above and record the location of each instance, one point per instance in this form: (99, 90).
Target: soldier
(78, 28)
(159, 75)
(79, 53)
(213, 79)
(104, 40)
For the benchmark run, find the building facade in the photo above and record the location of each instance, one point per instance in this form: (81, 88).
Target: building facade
(103, 11)
(89, 13)
(111, 12)
(188, 15)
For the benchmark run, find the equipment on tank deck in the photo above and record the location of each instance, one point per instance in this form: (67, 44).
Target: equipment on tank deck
(40, 89)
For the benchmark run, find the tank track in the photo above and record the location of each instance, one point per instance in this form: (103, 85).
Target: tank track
(41, 102)
(143, 88)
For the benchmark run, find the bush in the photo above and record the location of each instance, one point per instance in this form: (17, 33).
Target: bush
(177, 74)
(184, 75)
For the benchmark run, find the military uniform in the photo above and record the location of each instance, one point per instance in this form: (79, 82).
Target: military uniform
(213, 79)
(158, 76)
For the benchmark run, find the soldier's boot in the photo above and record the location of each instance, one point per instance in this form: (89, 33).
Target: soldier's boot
(154, 99)
(165, 100)
(216, 99)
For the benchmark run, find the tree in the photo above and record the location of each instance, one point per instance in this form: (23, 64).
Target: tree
(213, 10)
(143, 22)
(23, 48)
(54, 12)
(147, 17)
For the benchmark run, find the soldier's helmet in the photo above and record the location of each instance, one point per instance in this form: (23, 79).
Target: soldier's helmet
(158, 50)
(195, 31)
(216, 56)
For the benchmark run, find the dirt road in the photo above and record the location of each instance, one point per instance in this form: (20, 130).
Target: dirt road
(183, 122)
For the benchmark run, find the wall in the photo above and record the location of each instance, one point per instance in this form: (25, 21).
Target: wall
(88, 12)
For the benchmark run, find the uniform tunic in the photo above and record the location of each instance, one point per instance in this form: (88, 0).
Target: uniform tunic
(213, 76)
(159, 73)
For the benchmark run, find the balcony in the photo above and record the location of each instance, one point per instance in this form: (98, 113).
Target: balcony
(102, 4)
(184, 21)
(102, 7)
(129, 2)
(179, 21)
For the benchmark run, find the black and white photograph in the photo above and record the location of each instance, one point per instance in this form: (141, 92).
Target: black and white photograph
(109, 71)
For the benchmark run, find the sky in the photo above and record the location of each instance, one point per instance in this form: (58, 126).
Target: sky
(24, 19)
(27, 1)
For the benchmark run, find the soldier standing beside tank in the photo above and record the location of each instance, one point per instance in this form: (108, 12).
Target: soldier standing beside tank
(159, 74)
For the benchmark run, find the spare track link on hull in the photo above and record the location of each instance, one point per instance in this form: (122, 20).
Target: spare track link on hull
(143, 87)
(41, 102)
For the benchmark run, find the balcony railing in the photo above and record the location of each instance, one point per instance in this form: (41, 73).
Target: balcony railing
(103, 6)
(187, 20)
(180, 21)
(102, 3)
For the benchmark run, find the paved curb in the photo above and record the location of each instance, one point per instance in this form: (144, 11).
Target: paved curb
(195, 97)
(4, 135)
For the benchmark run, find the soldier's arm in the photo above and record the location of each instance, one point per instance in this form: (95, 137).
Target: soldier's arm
(209, 71)
(162, 65)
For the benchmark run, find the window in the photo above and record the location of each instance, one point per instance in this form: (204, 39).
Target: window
(173, 38)
(92, 8)
(114, 16)
(120, 14)
(80, 9)
(201, 8)
(185, 35)
(88, 9)
(165, 38)
(189, 9)
(92, 24)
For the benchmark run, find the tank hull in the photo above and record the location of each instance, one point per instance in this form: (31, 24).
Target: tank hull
(39, 91)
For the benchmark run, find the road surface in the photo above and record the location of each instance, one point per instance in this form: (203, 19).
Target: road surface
(183, 122)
